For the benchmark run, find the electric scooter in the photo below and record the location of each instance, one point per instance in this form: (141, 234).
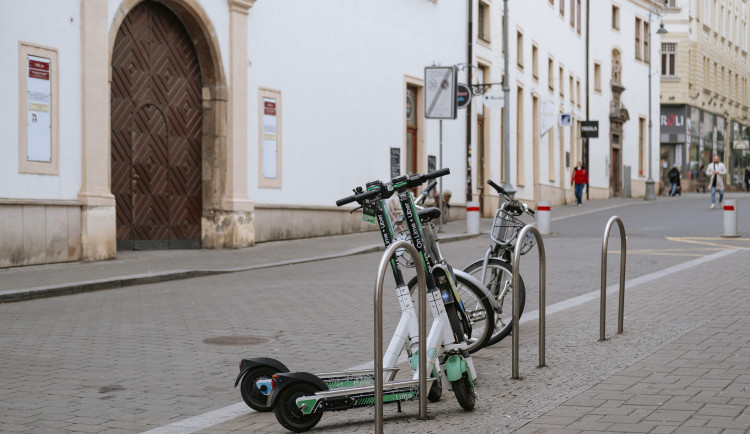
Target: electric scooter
(299, 399)
(255, 373)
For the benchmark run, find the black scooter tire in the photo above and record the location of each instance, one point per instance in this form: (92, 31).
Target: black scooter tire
(289, 415)
(464, 393)
(252, 396)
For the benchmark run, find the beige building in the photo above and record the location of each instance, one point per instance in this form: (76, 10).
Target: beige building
(704, 87)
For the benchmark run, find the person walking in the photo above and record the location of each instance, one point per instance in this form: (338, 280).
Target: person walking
(747, 178)
(580, 178)
(716, 171)
(702, 178)
(674, 178)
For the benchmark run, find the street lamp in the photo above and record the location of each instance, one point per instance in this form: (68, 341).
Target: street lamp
(658, 11)
(507, 186)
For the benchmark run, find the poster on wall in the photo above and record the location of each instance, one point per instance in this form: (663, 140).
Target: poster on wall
(270, 143)
(38, 110)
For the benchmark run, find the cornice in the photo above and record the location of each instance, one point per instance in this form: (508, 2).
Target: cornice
(241, 6)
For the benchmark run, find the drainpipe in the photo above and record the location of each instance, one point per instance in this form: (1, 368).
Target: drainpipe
(468, 109)
(586, 139)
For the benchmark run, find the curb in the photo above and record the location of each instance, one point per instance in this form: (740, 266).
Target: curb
(16, 295)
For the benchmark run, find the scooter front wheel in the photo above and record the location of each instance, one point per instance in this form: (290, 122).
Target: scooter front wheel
(464, 392)
(287, 412)
(253, 396)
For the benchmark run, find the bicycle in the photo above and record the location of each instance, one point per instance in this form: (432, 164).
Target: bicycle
(495, 270)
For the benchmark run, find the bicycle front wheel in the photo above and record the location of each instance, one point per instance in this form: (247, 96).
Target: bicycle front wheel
(499, 281)
(479, 311)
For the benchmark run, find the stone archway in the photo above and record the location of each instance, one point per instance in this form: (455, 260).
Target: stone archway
(212, 146)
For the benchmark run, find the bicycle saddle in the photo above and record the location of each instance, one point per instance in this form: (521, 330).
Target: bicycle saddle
(428, 214)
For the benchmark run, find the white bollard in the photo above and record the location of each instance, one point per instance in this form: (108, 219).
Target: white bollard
(542, 217)
(472, 217)
(730, 219)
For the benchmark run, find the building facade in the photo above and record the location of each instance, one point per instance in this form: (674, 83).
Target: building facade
(704, 80)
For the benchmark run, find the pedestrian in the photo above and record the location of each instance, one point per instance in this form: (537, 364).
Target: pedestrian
(702, 178)
(716, 171)
(747, 178)
(674, 178)
(580, 178)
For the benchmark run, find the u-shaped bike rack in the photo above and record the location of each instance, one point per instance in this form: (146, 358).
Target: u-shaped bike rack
(603, 300)
(542, 296)
(422, 318)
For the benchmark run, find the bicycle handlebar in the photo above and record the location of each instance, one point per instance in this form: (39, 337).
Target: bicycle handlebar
(513, 204)
(403, 181)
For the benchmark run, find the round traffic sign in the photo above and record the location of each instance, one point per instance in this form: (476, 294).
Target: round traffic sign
(463, 95)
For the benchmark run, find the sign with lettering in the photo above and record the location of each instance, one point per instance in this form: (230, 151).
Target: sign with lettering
(440, 92)
(672, 120)
(590, 129)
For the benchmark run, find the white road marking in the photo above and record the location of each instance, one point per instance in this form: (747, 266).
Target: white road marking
(228, 413)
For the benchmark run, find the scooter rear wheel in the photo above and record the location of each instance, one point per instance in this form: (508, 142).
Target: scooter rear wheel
(251, 394)
(289, 415)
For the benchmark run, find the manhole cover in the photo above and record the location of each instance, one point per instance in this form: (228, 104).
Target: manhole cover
(237, 340)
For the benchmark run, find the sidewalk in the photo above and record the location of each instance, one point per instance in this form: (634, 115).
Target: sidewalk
(142, 267)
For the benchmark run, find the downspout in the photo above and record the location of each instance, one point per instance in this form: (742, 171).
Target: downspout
(468, 109)
(586, 140)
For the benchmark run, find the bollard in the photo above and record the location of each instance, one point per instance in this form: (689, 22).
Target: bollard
(542, 217)
(472, 217)
(730, 218)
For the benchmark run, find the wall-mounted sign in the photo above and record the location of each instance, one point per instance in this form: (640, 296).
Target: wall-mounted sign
(270, 145)
(463, 95)
(493, 99)
(395, 162)
(431, 163)
(590, 129)
(39, 111)
(565, 120)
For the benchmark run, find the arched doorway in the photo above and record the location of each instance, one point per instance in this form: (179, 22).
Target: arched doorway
(156, 123)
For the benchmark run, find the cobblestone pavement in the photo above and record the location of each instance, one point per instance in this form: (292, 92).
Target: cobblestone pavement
(133, 359)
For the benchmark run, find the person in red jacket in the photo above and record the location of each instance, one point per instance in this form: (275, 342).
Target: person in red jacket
(580, 178)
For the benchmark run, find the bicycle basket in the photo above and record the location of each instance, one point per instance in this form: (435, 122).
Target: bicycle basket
(505, 229)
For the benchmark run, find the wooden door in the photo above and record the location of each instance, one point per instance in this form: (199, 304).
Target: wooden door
(156, 131)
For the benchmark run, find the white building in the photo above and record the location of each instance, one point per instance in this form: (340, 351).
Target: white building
(141, 123)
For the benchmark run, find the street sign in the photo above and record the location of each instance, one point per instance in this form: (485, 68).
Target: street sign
(463, 96)
(440, 92)
(493, 99)
(590, 129)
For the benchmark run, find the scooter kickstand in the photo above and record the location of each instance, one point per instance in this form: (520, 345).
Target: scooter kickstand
(399, 406)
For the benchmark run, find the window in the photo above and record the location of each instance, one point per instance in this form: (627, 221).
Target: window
(269, 148)
(572, 13)
(38, 110)
(483, 25)
(671, 3)
(551, 74)
(646, 40)
(562, 8)
(668, 54)
(535, 61)
(597, 77)
(519, 49)
(578, 93)
(561, 78)
(570, 89)
(578, 16)
(520, 125)
(638, 30)
(615, 18)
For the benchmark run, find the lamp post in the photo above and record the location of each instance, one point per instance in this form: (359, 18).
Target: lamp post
(507, 185)
(653, 10)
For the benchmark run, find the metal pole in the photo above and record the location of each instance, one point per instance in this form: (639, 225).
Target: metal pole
(603, 298)
(650, 195)
(440, 228)
(422, 334)
(507, 185)
(516, 301)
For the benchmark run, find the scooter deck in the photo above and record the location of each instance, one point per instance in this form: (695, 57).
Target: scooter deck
(351, 397)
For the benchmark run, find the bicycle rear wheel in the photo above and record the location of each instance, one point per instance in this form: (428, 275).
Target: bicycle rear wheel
(498, 280)
(479, 311)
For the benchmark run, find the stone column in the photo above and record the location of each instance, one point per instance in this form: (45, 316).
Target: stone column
(234, 224)
(98, 218)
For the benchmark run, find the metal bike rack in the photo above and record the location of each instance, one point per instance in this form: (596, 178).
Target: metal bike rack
(516, 301)
(603, 301)
(422, 316)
